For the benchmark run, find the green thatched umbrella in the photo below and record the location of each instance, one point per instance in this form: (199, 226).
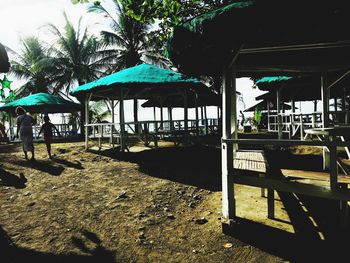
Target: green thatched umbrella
(142, 81)
(42, 103)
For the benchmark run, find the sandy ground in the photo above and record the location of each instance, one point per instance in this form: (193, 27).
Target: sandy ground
(149, 205)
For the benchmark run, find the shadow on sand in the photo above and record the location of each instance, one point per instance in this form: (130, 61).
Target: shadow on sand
(194, 165)
(11, 180)
(43, 166)
(315, 221)
(76, 164)
(317, 234)
(11, 253)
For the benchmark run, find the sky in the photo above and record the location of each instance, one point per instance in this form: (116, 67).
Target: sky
(20, 18)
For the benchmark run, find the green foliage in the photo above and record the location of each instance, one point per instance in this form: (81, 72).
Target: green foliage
(75, 57)
(257, 115)
(99, 112)
(166, 13)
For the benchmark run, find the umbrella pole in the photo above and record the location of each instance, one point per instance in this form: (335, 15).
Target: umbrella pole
(112, 125)
(122, 121)
(87, 100)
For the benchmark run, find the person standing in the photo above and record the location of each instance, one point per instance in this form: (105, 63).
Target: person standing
(25, 124)
(47, 128)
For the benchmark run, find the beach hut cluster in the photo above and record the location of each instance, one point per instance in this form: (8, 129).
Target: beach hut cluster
(278, 49)
(304, 59)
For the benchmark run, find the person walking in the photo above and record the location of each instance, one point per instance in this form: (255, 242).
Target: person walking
(25, 124)
(47, 128)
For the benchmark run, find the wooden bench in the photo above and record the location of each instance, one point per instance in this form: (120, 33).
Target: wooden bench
(252, 168)
(254, 162)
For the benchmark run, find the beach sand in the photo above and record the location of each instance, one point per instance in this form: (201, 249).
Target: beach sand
(149, 205)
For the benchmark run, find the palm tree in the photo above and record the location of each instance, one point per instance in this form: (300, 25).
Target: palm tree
(75, 58)
(127, 45)
(29, 66)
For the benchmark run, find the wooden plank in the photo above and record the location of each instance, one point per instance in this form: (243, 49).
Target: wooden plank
(292, 187)
(314, 175)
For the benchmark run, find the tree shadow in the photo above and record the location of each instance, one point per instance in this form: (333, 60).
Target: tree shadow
(10, 253)
(43, 166)
(193, 165)
(76, 164)
(11, 180)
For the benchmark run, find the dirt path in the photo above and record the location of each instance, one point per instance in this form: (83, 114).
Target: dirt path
(149, 206)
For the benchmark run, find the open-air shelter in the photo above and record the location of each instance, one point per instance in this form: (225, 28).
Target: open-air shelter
(201, 99)
(299, 89)
(43, 103)
(143, 81)
(264, 38)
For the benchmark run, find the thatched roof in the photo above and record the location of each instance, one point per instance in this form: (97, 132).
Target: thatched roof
(42, 103)
(270, 35)
(142, 81)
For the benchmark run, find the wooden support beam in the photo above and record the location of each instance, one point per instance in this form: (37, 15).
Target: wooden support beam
(229, 131)
(197, 118)
(87, 100)
(185, 113)
(270, 203)
(279, 117)
(170, 118)
(325, 100)
(206, 120)
(122, 121)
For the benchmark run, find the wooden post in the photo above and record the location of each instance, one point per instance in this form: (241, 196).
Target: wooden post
(197, 117)
(268, 116)
(333, 167)
(202, 114)
(270, 203)
(206, 121)
(136, 117)
(170, 117)
(229, 131)
(87, 100)
(161, 113)
(325, 100)
(11, 127)
(314, 114)
(335, 116)
(112, 126)
(122, 121)
(279, 117)
(185, 113)
(325, 114)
